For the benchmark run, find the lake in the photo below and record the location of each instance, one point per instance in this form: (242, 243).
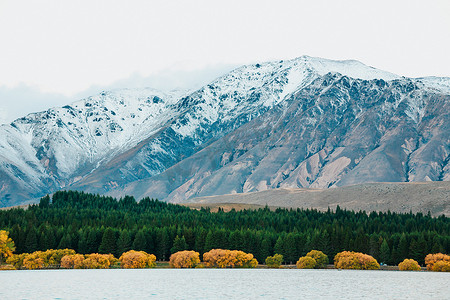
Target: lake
(222, 284)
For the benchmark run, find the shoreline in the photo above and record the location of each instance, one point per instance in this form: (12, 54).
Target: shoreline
(165, 265)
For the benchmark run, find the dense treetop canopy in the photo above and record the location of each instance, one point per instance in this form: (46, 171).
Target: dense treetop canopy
(91, 223)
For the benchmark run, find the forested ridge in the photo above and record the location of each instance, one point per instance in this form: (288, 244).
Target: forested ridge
(91, 223)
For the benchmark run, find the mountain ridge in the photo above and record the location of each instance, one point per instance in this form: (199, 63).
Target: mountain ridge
(128, 140)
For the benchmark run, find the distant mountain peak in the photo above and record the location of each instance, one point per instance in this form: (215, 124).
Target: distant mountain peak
(304, 122)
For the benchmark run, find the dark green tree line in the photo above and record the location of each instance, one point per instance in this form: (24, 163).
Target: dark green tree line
(91, 223)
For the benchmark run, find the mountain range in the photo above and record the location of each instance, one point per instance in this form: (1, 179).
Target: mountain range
(302, 123)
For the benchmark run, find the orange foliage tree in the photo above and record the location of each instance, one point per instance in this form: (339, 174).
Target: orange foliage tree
(320, 258)
(313, 259)
(53, 257)
(97, 261)
(355, 260)
(221, 258)
(137, 260)
(34, 261)
(441, 266)
(40, 259)
(306, 262)
(409, 265)
(17, 260)
(6, 246)
(73, 261)
(185, 259)
(431, 259)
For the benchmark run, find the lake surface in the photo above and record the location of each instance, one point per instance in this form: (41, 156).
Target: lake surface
(222, 284)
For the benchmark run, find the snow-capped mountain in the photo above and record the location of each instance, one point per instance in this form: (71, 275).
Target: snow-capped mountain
(307, 122)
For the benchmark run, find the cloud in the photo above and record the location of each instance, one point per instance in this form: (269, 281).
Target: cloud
(21, 100)
(182, 77)
(18, 101)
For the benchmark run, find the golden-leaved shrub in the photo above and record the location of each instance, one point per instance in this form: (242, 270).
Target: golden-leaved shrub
(355, 260)
(306, 262)
(137, 260)
(441, 266)
(17, 260)
(220, 258)
(73, 261)
(97, 261)
(274, 261)
(432, 259)
(409, 265)
(185, 259)
(7, 246)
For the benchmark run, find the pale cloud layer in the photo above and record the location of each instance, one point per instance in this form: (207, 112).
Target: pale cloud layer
(64, 49)
(20, 100)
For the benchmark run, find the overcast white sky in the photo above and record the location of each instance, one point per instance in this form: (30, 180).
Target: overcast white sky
(53, 52)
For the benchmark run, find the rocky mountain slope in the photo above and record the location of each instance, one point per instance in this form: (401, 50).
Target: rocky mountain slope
(306, 122)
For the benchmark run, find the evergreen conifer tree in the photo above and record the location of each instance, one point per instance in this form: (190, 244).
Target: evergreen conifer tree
(139, 243)
(31, 240)
(123, 242)
(179, 244)
(385, 253)
(109, 242)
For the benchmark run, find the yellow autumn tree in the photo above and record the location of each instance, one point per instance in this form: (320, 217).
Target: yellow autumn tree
(52, 257)
(34, 261)
(441, 266)
(355, 260)
(137, 260)
(431, 259)
(39, 259)
(221, 258)
(17, 260)
(306, 262)
(243, 260)
(320, 258)
(185, 259)
(7, 246)
(409, 265)
(72, 261)
(274, 261)
(97, 261)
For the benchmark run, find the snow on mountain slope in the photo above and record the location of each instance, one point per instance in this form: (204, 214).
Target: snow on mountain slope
(267, 84)
(117, 138)
(337, 131)
(350, 68)
(61, 144)
(441, 84)
(205, 115)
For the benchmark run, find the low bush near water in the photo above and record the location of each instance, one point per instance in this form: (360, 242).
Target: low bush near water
(274, 261)
(409, 265)
(17, 260)
(313, 259)
(441, 266)
(320, 258)
(39, 259)
(74, 261)
(185, 259)
(432, 259)
(355, 260)
(220, 258)
(306, 262)
(137, 260)
(89, 261)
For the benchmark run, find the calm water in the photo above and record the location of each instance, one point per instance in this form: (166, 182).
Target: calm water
(222, 284)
